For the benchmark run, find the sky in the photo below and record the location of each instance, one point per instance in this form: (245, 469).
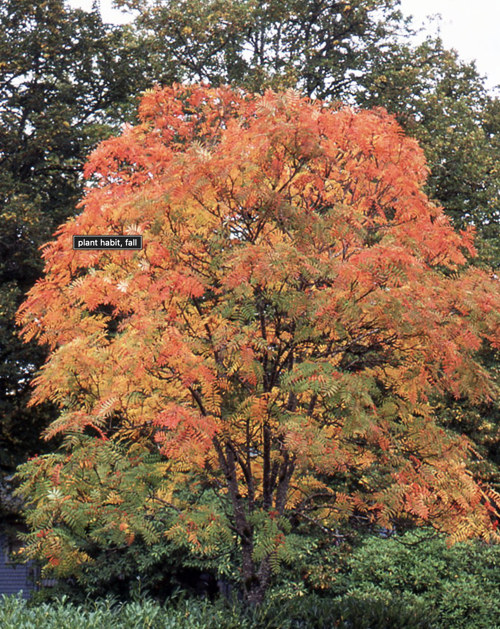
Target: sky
(471, 28)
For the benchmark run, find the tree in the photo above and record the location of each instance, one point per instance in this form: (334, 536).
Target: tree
(270, 353)
(317, 46)
(65, 84)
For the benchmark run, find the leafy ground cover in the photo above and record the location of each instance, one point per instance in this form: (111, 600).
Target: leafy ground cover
(310, 613)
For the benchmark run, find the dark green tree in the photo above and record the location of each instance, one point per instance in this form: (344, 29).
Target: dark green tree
(318, 46)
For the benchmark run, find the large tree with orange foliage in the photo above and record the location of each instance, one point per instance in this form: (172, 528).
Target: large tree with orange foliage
(297, 301)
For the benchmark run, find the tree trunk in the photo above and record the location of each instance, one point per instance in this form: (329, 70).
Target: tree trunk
(255, 580)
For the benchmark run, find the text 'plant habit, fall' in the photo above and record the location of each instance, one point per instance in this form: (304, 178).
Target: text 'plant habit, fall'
(297, 301)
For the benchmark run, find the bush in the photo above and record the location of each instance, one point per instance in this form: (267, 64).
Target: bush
(461, 582)
(305, 613)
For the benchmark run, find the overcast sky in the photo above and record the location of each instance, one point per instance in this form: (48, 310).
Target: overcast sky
(471, 27)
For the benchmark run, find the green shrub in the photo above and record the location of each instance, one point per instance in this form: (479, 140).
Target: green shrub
(460, 583)
(355, 612)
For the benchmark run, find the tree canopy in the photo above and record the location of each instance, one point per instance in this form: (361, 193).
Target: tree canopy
(275, 343)
(443, 103)
(319, 47)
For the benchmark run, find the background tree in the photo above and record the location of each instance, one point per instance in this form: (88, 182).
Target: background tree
(66, 81)
(317, 46)
(297, 301)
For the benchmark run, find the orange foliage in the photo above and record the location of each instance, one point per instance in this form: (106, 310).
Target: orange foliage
(297, 302)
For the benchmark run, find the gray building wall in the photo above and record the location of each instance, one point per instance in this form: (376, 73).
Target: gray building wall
(14, 577)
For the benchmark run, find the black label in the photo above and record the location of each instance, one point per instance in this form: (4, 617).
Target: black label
(107, 242)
